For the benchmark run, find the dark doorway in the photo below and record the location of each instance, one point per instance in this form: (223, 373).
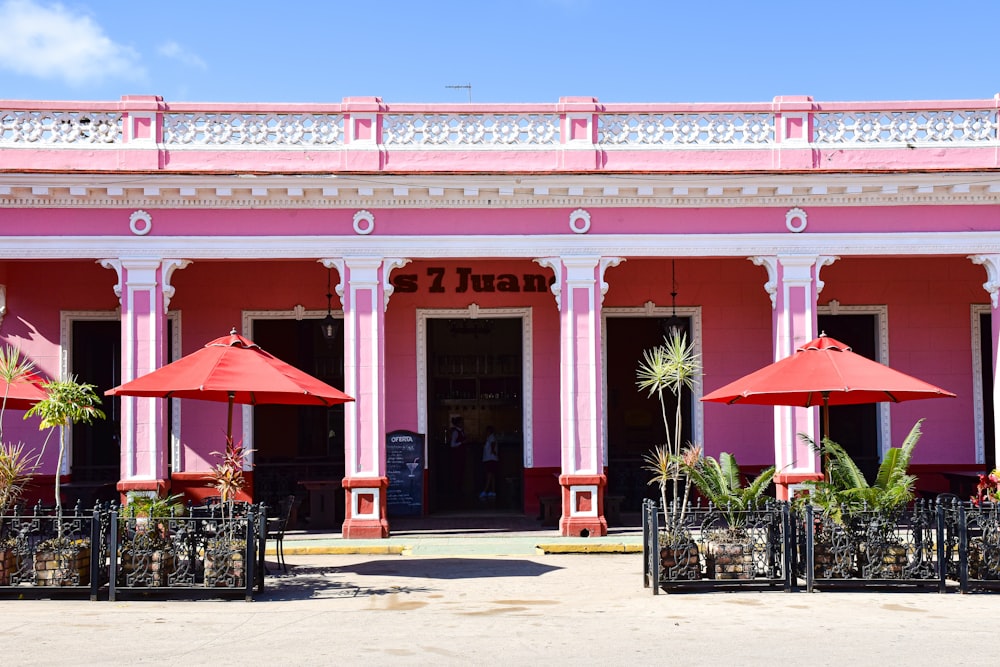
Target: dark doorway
(856, 427)
(474, 373)
(634, 419)
(986, 370)
(96, 354)
(296, 444)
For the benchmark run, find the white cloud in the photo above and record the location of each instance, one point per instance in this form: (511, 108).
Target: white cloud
(177, 52)
(49, 41)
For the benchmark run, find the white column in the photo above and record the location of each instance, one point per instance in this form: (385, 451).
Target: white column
(579, 288)
(144, 293)
(364, 290)
(794, 285)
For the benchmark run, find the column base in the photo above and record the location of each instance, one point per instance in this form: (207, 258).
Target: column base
(583, 506)
(788, 485)
(365, 508)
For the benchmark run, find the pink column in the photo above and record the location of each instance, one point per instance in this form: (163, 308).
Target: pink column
(794, 285)
(579, 289)
(992, 285)
(144, 292)
(364, 290)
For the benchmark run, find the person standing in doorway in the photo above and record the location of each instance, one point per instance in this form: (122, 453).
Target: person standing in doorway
(456, 438)
(491, 464)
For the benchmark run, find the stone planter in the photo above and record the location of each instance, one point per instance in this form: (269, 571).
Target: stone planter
(8, 566)
(731, 560)
(225, 565)
(69, 566)
(150, 568)
(680, 561)
(887, 562)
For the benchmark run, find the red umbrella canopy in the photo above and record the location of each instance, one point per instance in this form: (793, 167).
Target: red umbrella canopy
(22, 393)
(824, 372)
(233, 368)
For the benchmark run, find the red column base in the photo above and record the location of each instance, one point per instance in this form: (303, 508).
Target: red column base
(364, 508)
(583, 506)
(158, 486)
(786, 486)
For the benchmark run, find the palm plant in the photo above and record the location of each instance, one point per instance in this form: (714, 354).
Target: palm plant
(721, 482)
(670, 367)
(845, 489)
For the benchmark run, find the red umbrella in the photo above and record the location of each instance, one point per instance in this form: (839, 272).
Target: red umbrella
(233, 369)
(824, 372)
(22, 393)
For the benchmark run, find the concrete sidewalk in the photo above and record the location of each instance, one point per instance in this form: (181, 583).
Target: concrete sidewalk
(542, 609)
(485, 543)
(467, 534)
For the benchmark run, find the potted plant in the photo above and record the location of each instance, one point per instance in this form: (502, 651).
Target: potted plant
(147, 552)
(843, 496)
(672, 367)
(64, 560)
(720, 481)
(225, 552)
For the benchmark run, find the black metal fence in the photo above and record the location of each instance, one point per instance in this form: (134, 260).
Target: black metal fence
(931, 545)
(217, 550)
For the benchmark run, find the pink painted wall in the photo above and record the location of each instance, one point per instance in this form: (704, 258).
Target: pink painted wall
(929, 338)
(211, 297)
(36, 293)
(431, 222)
(736, 338)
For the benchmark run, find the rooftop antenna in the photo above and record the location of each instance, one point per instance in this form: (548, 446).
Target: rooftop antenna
(466, 86)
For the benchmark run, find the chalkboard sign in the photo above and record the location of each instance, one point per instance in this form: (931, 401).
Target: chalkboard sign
(404, 464)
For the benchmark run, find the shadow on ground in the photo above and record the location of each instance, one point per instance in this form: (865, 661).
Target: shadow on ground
(305, 582)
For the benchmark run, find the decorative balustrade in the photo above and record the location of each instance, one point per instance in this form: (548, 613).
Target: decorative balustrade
(539, 127)
(59, 128)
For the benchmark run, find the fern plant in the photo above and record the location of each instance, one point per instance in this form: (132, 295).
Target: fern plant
(845, 489)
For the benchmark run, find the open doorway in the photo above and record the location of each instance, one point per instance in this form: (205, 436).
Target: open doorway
(474, 369)
(856, 427)
(299, 450)
(96, 350)
(633, 418)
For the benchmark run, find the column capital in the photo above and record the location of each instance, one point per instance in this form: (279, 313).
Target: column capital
(992, 265)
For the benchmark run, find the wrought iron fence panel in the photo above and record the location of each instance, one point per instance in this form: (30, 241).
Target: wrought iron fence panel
(716, 547)
(212, 549)
(45, 550)
(867, 547)
(980, 559)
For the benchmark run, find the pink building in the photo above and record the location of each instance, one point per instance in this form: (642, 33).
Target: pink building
(502, 263)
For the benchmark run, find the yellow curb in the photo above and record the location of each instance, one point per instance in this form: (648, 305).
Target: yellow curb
(589, 548)
(339, 550)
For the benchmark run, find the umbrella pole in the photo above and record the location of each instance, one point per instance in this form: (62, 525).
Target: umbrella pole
(229, 423)
(826, 432)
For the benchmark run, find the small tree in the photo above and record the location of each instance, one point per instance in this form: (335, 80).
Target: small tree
(67, 402)
(670, 367)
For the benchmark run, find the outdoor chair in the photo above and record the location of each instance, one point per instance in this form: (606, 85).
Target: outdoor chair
(276, 527)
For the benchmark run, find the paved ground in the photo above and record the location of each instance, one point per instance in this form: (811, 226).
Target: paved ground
(362, 609)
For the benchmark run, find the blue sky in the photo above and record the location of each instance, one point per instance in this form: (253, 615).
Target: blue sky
(511, 51)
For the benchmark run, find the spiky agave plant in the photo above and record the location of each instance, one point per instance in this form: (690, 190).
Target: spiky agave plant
(17, 465)
(670, 367)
